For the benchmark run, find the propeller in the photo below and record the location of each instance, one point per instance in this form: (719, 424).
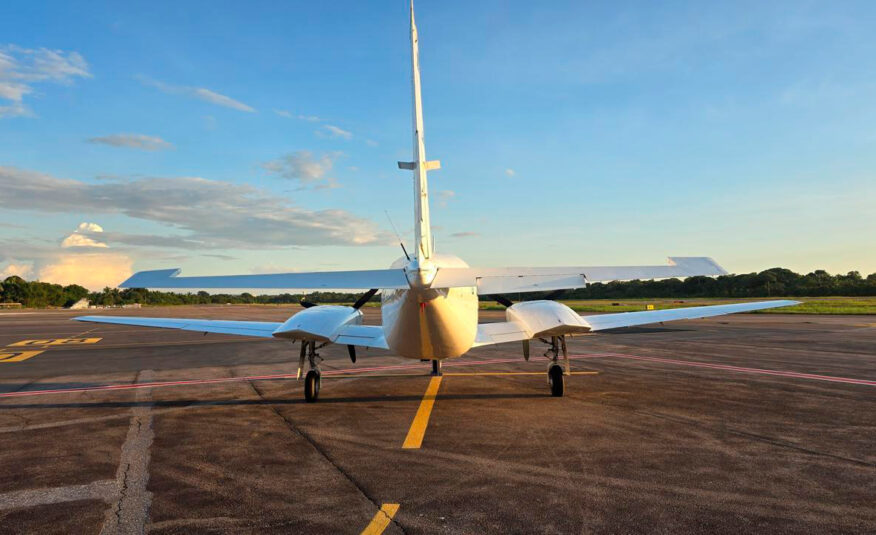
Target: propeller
(306, 304)
(502, 300)
(352, 351)
(364, 299)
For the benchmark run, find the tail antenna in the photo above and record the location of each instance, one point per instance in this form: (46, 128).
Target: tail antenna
(397, 235)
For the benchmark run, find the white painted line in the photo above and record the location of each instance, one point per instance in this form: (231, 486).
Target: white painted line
(98, 490)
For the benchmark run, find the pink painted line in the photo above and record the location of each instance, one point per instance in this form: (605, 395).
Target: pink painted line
(279, 376)
(727, 367)
(286, 376)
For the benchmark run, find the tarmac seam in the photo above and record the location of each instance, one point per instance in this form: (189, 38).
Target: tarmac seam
(295, 429)
(130, 511)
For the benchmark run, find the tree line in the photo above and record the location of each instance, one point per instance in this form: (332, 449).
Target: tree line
(769, 283)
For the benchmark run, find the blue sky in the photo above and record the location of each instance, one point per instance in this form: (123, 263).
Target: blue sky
(242, 137)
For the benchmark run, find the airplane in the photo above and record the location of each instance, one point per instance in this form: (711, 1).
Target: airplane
(429, 301)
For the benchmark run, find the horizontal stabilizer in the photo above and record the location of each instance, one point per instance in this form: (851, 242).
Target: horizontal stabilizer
(523, 279)
(431, 165)
(340, 280)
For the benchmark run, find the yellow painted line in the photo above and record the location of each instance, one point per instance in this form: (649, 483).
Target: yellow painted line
(381, 519)
(418, 428)
(17, 356)
(56, 342)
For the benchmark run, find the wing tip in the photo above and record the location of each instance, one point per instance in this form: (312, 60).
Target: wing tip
(148, 278)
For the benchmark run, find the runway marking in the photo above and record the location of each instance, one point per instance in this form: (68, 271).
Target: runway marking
(381, 519)
(17, 356)
(56, 342)
(129, 512)
(418, 427)
(98, 490)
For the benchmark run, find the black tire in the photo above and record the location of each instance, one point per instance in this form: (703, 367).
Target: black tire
(556, 380)
(311, 386)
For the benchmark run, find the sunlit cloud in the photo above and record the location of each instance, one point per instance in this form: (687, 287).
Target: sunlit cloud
(91, 270)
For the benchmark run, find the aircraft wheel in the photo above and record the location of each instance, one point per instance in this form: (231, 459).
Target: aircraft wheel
(556, 380)
(311, 386)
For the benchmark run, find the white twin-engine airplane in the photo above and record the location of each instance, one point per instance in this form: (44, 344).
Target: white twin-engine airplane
(430, 301)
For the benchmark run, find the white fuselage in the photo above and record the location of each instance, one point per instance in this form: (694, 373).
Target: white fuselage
(429, 323)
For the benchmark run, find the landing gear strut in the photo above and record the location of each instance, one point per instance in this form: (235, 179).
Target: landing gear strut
(555, 374)
(436, 368)
(312, 379)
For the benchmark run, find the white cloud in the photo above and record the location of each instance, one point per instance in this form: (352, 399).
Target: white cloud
(91, 270)
(445, 196)
(310, 118)
(201, 93)
(371, 143)
(22, 68)
(89, 227)
(335, 132)
(510, 172)
(221, 100)
(283, 113)
(133, 141)
(22, 270)
(201, 213)
(306, 168)
(466, 234)
(80, 240)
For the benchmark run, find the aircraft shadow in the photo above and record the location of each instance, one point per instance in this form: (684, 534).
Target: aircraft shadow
(258, 402)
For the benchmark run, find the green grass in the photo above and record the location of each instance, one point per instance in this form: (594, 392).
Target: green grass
(810, 305)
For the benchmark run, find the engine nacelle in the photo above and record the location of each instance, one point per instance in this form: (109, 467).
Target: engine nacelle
(320, 323)
(546, 318)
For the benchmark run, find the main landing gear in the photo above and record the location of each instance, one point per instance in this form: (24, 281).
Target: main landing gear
(436, 368)
(556, 373)
(312, 379)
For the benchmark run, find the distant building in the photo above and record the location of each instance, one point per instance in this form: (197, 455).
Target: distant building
(82, 303)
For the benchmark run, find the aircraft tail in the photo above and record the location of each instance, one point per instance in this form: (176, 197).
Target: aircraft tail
(420, 166)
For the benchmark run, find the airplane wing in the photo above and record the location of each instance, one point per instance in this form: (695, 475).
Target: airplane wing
(340, 280)
(260, 329)
(513, 331)
(357, 335)
(509, 280)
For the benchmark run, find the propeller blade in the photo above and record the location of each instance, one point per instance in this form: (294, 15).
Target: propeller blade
(364, 299)
(502, 300)
(352, 351)
(526, 350)
(307, 304)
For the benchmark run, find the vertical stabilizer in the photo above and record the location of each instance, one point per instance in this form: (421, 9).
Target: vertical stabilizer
(419, 165)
